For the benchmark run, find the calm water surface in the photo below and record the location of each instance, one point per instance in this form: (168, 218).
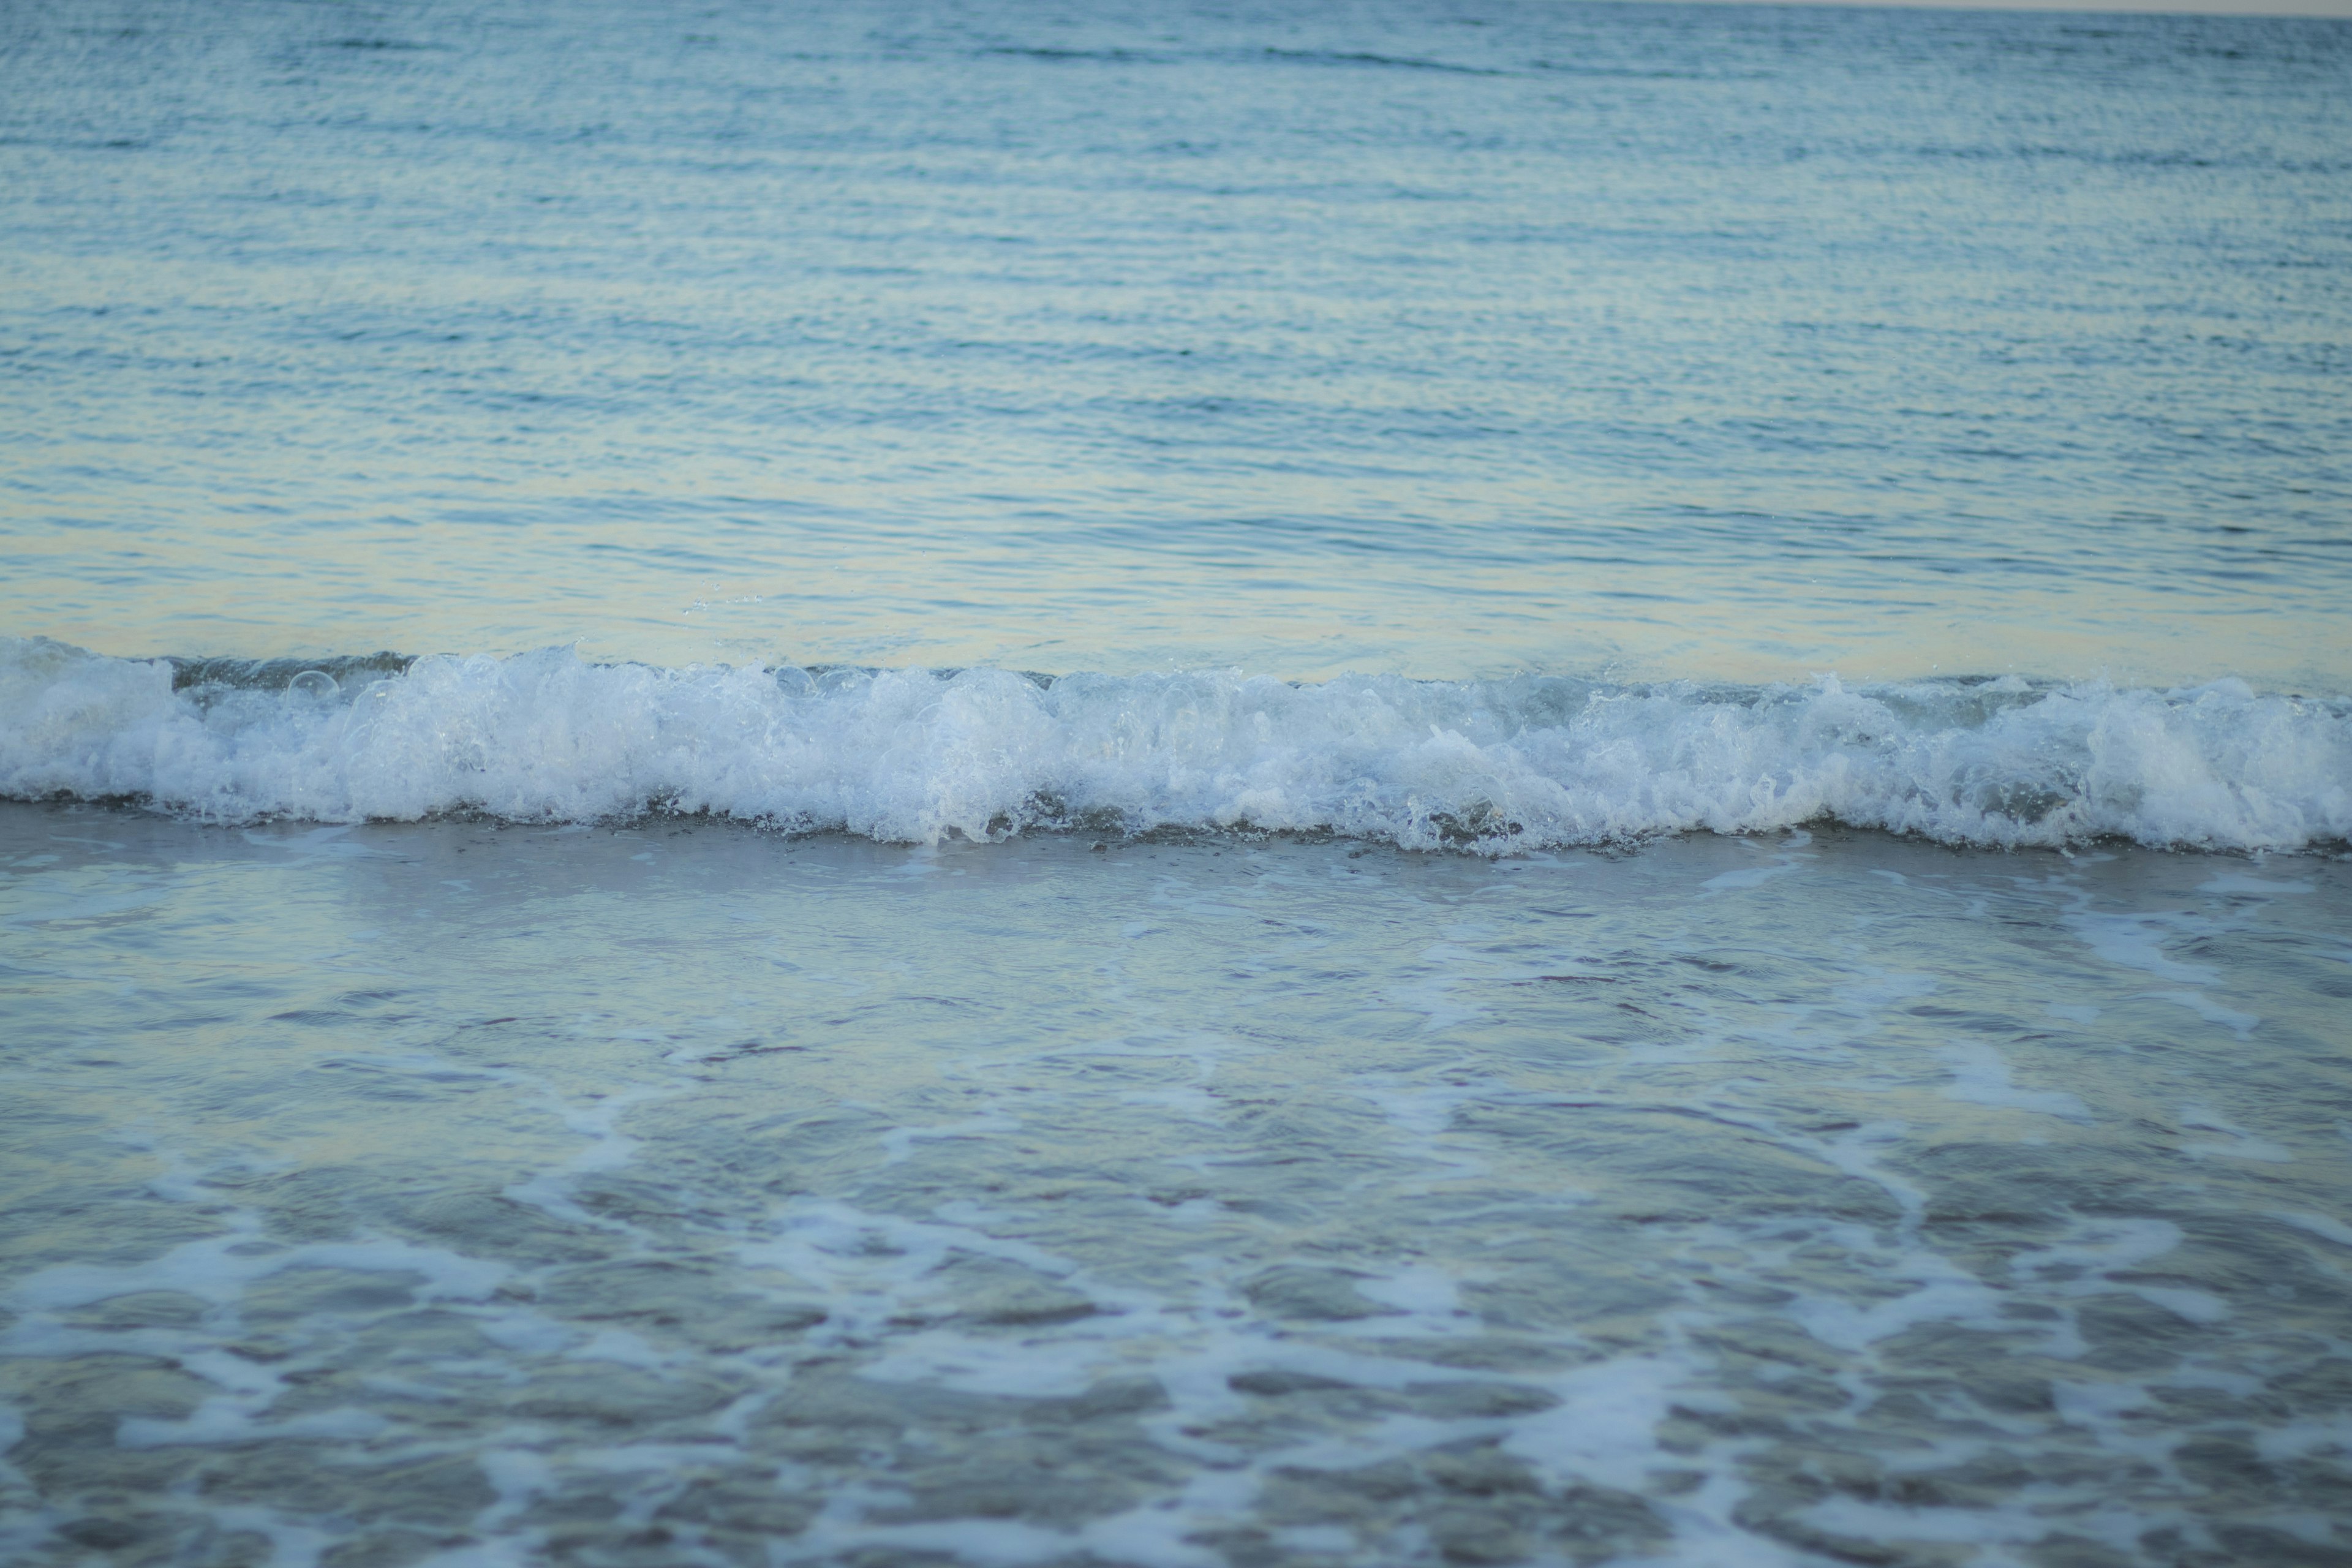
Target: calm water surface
(1437, 339)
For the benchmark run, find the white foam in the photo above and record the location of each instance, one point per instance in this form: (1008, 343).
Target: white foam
(2246, 1145)
(223, 1422)
(2137, 941)
(1945, 1293)
(2085, 1267)
(2298, 1439)
(2016, 1522)
(2212, 1012)
(218, 1269)
(1601, 1429)
(2321, 1224)
(1980, 1075)
(915, 756)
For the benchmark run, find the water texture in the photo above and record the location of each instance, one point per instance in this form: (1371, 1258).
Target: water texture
(1173, 786)
(679, 1193)
(917, 756)
(1440, 340)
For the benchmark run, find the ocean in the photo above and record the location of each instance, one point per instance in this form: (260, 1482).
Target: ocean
(1196, 786)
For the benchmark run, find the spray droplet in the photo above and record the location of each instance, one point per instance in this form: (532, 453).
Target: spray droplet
(312, 686)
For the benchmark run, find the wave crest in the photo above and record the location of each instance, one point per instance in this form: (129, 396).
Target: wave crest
(921, 756)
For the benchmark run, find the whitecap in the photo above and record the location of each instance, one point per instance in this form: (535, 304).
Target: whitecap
(914, 755)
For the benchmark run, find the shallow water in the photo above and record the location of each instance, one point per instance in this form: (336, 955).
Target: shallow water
(683, 1193)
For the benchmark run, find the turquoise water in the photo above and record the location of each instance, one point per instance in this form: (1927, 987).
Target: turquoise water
(1173, 787)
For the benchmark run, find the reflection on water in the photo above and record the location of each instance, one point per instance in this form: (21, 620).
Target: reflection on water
(681, 1193)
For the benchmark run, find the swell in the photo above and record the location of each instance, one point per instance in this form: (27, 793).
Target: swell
(921, 756)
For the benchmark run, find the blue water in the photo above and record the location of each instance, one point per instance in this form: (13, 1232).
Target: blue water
(1428, 340)
(1158, 787)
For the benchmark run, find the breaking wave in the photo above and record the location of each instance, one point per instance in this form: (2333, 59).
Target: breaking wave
(921, 756)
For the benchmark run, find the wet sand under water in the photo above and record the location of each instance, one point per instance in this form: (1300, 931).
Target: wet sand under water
(682, 1193)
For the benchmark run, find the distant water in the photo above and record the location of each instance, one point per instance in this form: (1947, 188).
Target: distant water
(1139, 787)
(1436, 339)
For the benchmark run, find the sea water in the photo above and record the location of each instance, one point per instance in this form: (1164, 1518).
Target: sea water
(1174, 785)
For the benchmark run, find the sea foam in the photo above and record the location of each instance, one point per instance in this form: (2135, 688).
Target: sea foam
(918, 755)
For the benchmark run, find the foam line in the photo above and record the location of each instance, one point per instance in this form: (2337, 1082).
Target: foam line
(919, 755)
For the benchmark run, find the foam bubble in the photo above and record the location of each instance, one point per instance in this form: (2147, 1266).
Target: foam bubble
(920, 755)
